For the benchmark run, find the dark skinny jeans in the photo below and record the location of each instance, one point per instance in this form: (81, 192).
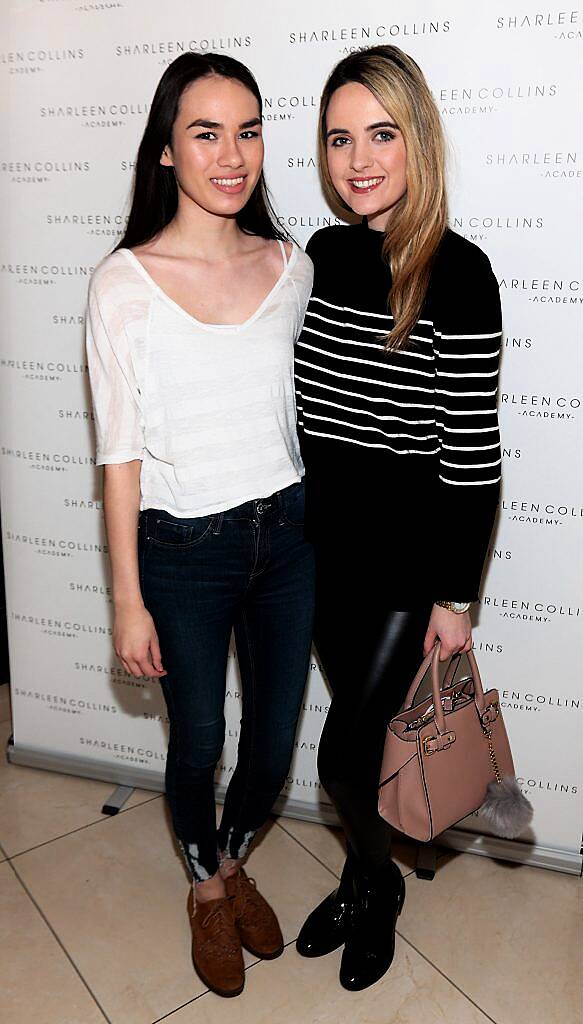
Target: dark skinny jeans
(247, 569)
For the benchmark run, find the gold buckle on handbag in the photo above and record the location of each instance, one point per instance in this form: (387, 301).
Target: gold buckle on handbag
(490, 714)
(422, 720)
(431, 744)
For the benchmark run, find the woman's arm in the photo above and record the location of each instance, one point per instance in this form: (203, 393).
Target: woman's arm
(121, 502)
(467, 331)
(134, 635)
(119, 427)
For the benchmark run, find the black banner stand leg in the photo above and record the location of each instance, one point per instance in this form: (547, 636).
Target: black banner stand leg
(426, 862)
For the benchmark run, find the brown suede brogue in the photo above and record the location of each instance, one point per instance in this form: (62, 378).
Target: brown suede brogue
(216, 947)
(255, 921)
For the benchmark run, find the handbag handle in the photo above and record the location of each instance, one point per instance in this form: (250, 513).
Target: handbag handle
(419, 676)
(433, 659)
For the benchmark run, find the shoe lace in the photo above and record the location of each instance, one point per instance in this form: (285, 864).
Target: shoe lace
(219, 926)
(251, 901)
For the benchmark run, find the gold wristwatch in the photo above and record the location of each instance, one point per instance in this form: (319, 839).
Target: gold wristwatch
(459, 607)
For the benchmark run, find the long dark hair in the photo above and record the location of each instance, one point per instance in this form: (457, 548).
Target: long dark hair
(155, 193)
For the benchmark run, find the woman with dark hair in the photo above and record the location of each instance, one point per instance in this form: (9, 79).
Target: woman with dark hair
(396, 378)
(190, 334)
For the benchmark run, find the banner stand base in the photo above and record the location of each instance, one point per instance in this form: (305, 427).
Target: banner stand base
(566, 861)
(117, 800)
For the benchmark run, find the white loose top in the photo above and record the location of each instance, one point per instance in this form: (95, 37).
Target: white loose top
(208, 408)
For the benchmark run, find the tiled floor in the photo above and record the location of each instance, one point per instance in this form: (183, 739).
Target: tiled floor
(93, 925)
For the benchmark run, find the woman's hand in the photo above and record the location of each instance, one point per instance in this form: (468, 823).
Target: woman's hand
(136, 642)
(454, 631)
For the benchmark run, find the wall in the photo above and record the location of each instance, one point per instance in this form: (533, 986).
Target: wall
(80, 77)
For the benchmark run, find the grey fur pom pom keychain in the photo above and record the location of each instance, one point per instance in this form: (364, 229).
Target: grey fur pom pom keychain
(506, 809)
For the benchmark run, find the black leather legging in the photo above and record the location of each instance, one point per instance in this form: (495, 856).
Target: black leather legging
(370, 655)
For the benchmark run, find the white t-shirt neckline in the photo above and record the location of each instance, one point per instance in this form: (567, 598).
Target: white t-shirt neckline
(233, 328)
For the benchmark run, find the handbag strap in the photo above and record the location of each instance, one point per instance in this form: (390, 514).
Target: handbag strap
(433, 659)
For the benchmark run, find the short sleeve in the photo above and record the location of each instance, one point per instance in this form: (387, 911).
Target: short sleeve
(302, 279)
(314, 247)
(115, 392)
(304, 293)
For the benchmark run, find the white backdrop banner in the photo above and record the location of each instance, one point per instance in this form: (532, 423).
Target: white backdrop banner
(80, 76)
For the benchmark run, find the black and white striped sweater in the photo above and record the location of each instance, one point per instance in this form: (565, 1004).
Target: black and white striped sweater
(406, 444)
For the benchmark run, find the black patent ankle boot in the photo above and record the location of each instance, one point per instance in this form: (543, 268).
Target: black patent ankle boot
(325, 928)
(370, 940)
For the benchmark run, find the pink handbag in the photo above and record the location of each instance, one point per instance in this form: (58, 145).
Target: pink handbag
(449, 756)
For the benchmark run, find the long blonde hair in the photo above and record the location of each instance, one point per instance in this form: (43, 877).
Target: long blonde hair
(419, 219)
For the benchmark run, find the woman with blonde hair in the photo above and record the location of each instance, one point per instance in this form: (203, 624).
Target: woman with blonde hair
(396, 379)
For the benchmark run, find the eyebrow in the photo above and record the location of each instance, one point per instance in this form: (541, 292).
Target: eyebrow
(371, 128)
(202, 123)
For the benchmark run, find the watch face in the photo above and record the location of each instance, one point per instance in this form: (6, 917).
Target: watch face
(460, 606)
